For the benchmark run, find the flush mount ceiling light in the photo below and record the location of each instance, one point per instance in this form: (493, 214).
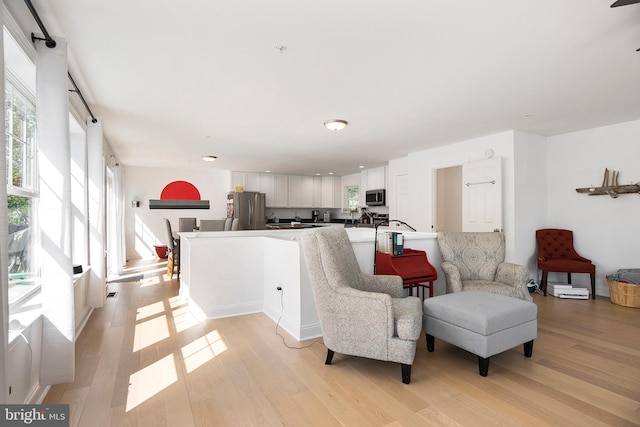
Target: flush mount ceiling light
(335, 124)
(209, 158)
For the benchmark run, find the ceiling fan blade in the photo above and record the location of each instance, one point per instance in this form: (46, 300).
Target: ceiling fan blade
(624, 3)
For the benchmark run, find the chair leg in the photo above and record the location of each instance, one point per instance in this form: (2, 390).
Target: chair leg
(170, 268)
(430, 342)
(329, 357)
(543, 285)
(483, 365)
(528, 348)
(406, 373)
(569, 278)
(593, 286)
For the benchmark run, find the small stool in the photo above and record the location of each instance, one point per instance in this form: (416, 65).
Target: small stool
(481, 323)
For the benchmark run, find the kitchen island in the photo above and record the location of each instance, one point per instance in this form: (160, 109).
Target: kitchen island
(232, 273)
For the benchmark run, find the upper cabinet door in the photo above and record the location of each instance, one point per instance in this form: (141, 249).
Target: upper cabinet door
(482, 195)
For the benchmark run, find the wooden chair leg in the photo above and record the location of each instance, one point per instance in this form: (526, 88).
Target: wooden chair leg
(543, 285)
(569, 278)
(593, 285)
(170, 268)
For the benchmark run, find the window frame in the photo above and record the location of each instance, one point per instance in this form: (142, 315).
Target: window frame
(17, 298)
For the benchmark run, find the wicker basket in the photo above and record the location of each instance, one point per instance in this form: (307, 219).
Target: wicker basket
(627, 294)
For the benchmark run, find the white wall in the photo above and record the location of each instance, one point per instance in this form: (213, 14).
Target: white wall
(422, 164)
(605, 230)
(530, 196)
(144, 227)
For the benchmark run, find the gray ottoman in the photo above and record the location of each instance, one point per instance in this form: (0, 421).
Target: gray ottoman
(481, 323)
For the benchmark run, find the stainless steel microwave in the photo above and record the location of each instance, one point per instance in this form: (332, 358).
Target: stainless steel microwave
(375, 197)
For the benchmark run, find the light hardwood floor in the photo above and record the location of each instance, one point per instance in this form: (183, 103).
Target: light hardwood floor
(143, 361)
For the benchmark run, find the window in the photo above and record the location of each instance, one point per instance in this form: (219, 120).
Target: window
(22, 191)
(352, 198)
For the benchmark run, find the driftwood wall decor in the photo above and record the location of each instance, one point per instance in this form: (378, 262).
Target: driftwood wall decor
(610, 186)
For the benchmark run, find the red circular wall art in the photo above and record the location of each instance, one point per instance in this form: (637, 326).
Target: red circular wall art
(180, 190)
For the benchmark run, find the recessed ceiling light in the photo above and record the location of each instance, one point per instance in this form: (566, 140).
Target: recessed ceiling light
(330, 173)
(361, 167)
(335, 124)
(209, 158)
(268, 171)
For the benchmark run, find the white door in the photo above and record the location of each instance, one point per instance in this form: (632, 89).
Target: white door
(482, 195)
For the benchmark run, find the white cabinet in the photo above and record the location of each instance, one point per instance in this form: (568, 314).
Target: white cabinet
(276, 190)
(373, 179)
(250, 181)
(268, 187)
(295, 191)
(298, 191)
(306, 191)
(301, 191)
(331, 192)
(281, 190)
(317, 192)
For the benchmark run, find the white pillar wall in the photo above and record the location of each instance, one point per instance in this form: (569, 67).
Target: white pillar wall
(96, 294)
(4, 241)
(52, 105)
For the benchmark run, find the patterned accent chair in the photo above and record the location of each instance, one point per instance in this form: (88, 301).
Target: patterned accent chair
(475, 260)
(360, 314)
(556, 253)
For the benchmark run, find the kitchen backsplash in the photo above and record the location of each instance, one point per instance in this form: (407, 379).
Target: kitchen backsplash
(303, 213)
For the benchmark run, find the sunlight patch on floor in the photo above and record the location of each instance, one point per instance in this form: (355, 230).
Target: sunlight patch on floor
(150, 310)
(150, 381)
(150, 332)
(202, 350)
(177, 301)
(151, 281)
(183, 320)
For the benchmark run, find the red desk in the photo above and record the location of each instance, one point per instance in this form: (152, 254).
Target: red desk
(413, 266)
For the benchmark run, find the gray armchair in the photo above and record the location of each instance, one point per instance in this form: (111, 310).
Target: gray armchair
(475, 260)
(360, 314)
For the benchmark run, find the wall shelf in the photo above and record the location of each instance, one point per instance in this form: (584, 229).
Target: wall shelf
(610, 186)
(612, 190)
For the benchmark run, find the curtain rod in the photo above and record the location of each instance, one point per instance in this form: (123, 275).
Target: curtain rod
(51, 43)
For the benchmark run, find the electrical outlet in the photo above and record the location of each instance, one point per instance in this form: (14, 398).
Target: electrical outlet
(278, 288)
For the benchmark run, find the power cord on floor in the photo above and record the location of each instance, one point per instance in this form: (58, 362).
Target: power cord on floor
(278, 324)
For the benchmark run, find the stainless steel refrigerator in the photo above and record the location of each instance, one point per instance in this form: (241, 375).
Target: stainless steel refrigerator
(249, 208)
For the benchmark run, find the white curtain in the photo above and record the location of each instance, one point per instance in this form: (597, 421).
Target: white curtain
(52, 105)
(4, 239)
(97, 279)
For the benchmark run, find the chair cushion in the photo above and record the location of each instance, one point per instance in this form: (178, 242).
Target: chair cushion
(496, 288)
(567, 265)
(407, 314)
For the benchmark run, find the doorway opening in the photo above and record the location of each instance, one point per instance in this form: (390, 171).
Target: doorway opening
(447, 200)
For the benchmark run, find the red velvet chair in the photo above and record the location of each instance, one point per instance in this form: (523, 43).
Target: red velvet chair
(556, 253)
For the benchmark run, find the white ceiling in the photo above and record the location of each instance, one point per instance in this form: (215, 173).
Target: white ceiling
(174, 80)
